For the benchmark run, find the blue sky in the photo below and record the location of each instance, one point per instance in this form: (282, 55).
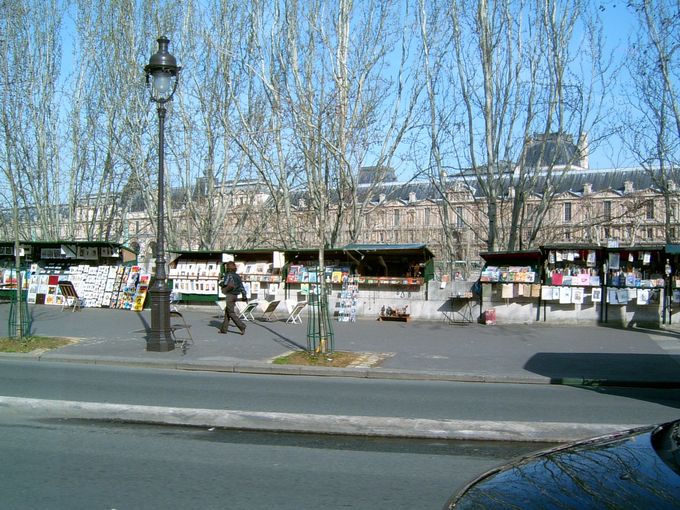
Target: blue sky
(618, 25)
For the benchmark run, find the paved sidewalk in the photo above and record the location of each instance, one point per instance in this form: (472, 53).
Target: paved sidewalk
(536, 353)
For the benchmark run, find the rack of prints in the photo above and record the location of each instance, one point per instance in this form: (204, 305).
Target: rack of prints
(97, 286)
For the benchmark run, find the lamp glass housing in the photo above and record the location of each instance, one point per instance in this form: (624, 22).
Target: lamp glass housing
(162, 84)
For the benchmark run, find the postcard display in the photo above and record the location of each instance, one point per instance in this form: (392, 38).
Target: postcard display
(347, 305)
(202, 277)
(120, 287)
(515, 281)
(634, 277)
(308, 277)
(195, 277)
(572, 277)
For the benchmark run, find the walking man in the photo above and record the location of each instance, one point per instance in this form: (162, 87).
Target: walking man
(232, 287)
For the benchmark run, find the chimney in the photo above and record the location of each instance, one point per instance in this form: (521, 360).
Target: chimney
(583, 150)
(587, 188)
(628, 187)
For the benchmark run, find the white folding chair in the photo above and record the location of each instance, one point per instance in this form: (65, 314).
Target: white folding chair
(247, 312)
(294, 317)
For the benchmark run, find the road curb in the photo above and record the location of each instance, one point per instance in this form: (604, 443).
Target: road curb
(551, 432)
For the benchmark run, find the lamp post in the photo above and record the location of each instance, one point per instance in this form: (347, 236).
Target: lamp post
(162, 78)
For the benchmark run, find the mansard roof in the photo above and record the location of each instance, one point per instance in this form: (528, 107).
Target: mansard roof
(571, 181)
(602, 180)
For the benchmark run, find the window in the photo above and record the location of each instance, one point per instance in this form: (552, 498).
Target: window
(650, 233)
(649, 208)
(607, 233)
(567, 212)
(459, 216)
(396, 218)
(427, 217)
(607, 210)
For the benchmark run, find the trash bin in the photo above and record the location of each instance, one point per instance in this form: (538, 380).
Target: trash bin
(490, 316)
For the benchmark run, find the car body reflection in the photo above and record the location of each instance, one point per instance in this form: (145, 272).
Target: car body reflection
(638, 468)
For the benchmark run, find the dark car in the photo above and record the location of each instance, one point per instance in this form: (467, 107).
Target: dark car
(635, 469)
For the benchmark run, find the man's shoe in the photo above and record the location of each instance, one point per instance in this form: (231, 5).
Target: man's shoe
(223, 332)
(243, 331)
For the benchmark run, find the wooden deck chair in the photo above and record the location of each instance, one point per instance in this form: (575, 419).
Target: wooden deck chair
(71, 299)
(178, 324)
(247, 312)
(294, 317)
(270, 312)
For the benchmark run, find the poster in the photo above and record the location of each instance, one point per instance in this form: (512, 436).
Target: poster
(591, 261)
(546, 293)
(643, 297)
(577, 295)
(614, 261)
(565, 295)
(596, 296)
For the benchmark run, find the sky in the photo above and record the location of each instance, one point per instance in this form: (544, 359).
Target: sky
(618, 26)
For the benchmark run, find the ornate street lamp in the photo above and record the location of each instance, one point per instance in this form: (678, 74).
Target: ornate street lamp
(162, 78)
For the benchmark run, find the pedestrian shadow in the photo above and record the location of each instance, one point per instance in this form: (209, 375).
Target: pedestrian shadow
(639, 376)
(279, 338)
(282, 340)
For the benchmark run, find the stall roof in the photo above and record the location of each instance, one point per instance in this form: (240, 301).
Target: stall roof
(673, 249)
(511, 257)
(637, 247)
(64, 241)
(226, 250)
(572, 246)
(390, 248)
(39, 244)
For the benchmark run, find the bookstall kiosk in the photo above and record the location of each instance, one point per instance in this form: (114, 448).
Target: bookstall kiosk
(364, 279)
(195, 275)
(103, 274)
(572, 283)
(672, 271)
(635, 284)
(510, 285)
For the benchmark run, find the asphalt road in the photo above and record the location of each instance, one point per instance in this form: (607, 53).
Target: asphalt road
(434, 400)
(61, 464)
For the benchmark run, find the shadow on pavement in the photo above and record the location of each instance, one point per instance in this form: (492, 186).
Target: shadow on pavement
(639, 376)
(283, 340)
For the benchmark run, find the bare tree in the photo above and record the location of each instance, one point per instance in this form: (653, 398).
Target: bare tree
(503, 74)
(112, 125)
(214, 175)
(336, 93)
(652, 132)
(30, 55)
(30, 157)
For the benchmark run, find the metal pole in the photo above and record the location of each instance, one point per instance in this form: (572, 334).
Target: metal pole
(160, 338)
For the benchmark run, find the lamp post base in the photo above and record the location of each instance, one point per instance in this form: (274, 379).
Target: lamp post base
(160, 337)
